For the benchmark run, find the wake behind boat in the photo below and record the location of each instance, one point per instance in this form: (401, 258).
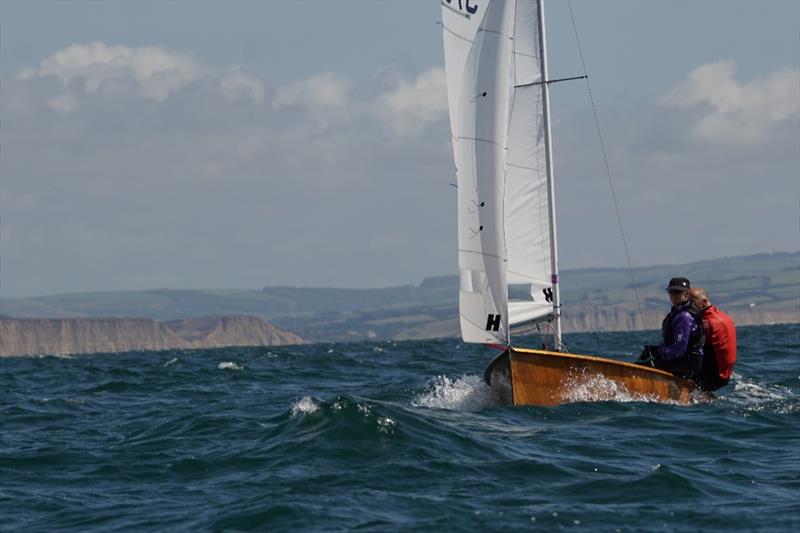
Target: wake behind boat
(497, 88)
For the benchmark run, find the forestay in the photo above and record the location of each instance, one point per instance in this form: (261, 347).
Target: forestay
(492, 61)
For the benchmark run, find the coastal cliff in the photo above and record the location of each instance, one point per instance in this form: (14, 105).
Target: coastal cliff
(109, 335)
(584, 319)
(579, 320)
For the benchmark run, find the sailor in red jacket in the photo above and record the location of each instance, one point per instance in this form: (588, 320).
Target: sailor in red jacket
(720, 348)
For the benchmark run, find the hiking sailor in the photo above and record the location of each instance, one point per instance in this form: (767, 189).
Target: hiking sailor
(719, 351)
(681, 351)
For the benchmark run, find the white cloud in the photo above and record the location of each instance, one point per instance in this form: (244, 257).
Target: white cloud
(63, 103)
(222, 177)
(324, 91)
(413, 104)
(157, 71)
(734, 113)
(87, 70)
(241, 84)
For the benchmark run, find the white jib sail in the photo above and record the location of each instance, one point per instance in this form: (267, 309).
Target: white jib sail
(496, 117)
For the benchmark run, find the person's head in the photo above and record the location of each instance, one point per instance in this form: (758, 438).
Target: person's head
(699, 298)
(678, 289)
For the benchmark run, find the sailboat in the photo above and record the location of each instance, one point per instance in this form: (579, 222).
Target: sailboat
(497, 89)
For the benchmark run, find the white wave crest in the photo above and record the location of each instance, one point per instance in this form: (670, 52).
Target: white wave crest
(306, 405)
(386, 425)
(468, 393)
(757, 397)
(598, 388)
(72, 401)
(229, 365)
(171, 361)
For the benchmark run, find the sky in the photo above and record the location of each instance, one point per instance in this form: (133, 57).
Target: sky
(206, 144)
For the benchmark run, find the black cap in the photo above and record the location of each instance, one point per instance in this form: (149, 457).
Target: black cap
(679, 284)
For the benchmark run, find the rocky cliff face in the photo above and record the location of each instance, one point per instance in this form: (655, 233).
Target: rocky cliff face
(85, 335)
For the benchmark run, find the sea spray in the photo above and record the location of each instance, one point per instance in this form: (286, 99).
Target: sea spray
(468, 393)
(755, 397)
(306, 405)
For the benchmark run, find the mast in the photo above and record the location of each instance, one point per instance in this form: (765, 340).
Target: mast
(551, 193)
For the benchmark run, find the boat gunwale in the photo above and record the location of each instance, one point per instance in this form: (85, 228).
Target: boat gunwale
(596, 359)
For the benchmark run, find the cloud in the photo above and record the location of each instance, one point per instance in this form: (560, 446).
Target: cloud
(157, 71)
(241, 84)
(120, 171)
(324, 91)
(148, 72)
(734, 113)
(413, 104)
(708, 170)
(140, 167)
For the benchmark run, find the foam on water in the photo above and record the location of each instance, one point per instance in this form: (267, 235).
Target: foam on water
(56, 355)
(598, 388)
(306, 405)
(229, 365)
(758, 397)
(467, 393)
(171, 362)
(64, 401)
(386, 425)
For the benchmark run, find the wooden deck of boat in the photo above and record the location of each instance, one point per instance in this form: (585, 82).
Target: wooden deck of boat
(540, 377)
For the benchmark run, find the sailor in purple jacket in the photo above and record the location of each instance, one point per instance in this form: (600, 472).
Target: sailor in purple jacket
(681, 351)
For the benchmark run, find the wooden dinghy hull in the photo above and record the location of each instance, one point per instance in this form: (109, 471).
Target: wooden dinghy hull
(538, 377)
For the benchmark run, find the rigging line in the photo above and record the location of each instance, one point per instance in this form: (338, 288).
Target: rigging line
(548, 325)
(607, 167)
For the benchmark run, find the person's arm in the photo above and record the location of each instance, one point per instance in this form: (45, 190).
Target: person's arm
(682, 325)
(730, 341)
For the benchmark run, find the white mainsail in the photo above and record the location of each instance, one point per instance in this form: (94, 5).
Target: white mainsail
(497, 117)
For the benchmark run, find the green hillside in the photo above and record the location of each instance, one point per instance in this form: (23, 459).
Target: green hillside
(766, 282)
(771, 280)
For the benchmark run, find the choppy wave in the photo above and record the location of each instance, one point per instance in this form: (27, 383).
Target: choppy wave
(305, 405)
(753, 396)
(230, 365)
(344, 436)
(598, 388)
(345, 415)
(468, 393)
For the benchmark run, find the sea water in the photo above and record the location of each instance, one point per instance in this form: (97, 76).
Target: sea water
(389, 436)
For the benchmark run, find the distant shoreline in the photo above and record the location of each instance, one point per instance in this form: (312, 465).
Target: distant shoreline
(72, 336)
(75, 336)
(755, 289)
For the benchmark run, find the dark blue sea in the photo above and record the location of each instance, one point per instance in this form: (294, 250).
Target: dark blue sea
(389, 436)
